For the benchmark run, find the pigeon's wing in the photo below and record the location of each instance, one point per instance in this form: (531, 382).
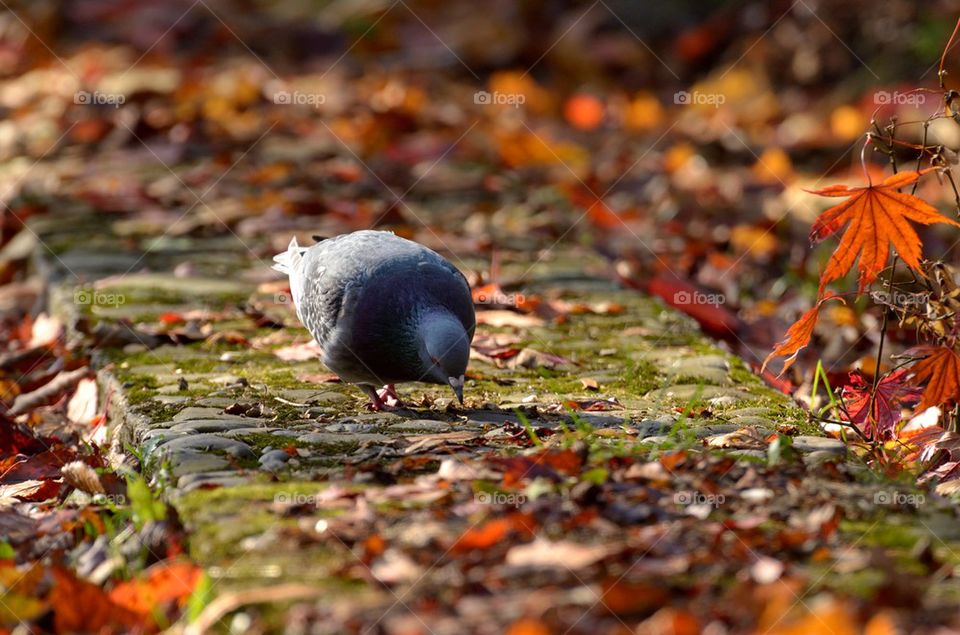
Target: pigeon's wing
(327, 271)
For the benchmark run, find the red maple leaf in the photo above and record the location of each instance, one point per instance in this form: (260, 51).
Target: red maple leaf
(880, 420)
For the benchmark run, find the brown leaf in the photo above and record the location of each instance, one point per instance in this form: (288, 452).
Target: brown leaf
(82, 407)
(622, 597)
(498, 318)
(494, 531)
(79, 606)
(561, 554)
(299, 352)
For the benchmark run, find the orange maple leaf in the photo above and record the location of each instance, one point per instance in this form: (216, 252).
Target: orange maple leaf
(798, 335)
(939, 368)
(876, 216)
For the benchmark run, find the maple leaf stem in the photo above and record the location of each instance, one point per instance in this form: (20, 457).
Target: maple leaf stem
(863, 159)
(941, 73)
(926, 130)
(956, 192)
(883, 337)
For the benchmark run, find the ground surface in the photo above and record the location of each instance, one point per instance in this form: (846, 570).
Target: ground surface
(613, 470)
(619, 465)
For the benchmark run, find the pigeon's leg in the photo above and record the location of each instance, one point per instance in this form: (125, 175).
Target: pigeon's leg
(388, 394)
(377, 403)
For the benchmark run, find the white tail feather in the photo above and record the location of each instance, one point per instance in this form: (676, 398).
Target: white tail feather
(288, 261)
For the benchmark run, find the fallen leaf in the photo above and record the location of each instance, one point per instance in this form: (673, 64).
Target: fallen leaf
(166, 581)
(528, 626)
(499, 318)
(299, 352)
(560, 554)
(623, 597)
(744, 438)
(546, 463)
(396, 567)
(12, 493)
(82, 407)
(46, 331)
(494, 531)
(79, 606)
(319, 378)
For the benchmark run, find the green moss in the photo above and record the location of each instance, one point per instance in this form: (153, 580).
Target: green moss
(894, 532)
(642, 377)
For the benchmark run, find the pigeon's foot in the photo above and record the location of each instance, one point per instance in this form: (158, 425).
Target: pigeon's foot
(388, 394)
(385, 399)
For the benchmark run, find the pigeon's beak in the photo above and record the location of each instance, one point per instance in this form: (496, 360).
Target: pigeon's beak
(457, 384)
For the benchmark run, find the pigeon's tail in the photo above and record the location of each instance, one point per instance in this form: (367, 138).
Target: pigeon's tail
(288, 261)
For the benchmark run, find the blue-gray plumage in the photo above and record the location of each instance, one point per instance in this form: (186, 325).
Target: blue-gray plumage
(383, 309)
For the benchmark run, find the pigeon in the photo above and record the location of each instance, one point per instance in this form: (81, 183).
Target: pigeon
(384, 310)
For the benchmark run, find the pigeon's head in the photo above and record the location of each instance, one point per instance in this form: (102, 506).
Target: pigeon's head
(445, 350)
